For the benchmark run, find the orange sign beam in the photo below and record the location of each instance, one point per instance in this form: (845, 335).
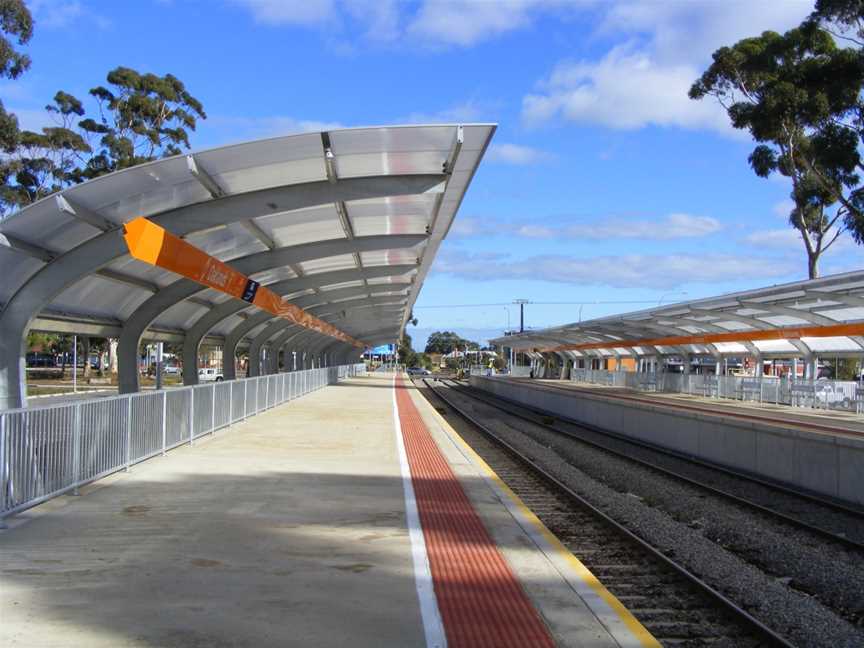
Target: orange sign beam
(152, 244)
(792, 333)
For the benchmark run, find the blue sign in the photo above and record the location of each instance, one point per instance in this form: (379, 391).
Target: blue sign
(383, 349)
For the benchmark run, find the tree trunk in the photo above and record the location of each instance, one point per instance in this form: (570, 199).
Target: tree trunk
(112, 355)
(813, 264)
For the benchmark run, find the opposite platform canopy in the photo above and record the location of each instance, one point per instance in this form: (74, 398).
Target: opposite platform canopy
(344, 224)
(820, 316)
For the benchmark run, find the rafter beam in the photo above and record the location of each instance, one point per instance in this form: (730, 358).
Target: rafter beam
(204, 178)
(83, 214)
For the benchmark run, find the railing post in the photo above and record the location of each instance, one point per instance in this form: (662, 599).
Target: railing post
(231, 402)
(245, 397)
(128, 432)
(191, 416)
(164, 421)
(213, 410)
(5, 470)
(76, 450)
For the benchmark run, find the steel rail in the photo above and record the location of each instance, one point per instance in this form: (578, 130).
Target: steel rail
(841, 539)
(774, 637)
(824, 501)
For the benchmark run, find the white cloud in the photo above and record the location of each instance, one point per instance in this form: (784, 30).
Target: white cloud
(625, 271)
(467, 111)
(789, 239)
(625, 90)
(783, 208)
(466, 22)
(226, 129)
(778, 239)
(58, 14)
(643, 81)
(516, 154)
(673, 226)
(471, 227)
(290, 12)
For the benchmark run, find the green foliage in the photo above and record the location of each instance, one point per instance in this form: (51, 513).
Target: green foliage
(141, 117)
(847, 14)
(799, 96)
(446, 342)
(16, 26)
(15, 21)
(405, 352)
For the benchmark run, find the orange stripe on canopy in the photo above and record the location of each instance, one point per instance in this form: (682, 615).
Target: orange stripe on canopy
(789, 333)
(154, 245)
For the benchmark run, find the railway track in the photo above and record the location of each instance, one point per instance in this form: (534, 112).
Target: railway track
(675, 605)
(823, 518)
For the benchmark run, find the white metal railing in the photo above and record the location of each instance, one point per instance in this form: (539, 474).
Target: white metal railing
(843, 395)
(46, 451)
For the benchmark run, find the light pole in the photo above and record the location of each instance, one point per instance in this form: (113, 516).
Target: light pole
(507, 310)
(521, 303)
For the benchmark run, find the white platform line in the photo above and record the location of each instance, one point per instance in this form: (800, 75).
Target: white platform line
(433, 626)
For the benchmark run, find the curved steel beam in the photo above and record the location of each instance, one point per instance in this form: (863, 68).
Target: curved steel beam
(221, 312)
(35, 294)
(146, 313)
(258, 341)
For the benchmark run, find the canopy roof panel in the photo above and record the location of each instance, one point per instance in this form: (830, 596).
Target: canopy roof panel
(309, 215)
(798, 319)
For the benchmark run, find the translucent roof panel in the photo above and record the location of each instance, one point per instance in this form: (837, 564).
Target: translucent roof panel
(274, 274)
(388, 257)
(775, 346)
(394, 215)
(828, 344)
(235, 202)
(303, 225)
(227, 242)
(344, 284)
(327, 264)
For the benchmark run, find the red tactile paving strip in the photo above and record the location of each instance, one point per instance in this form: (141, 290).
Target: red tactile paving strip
(480, 600)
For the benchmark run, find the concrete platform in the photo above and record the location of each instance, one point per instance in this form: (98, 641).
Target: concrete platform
(289, 529)
(818, 452)
(820, 421)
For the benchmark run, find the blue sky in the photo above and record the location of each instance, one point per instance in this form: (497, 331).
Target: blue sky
(605, 184)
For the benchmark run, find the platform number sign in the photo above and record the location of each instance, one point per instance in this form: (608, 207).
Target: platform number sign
(250, 290)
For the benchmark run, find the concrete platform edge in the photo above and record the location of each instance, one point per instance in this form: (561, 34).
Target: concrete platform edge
(623, 628)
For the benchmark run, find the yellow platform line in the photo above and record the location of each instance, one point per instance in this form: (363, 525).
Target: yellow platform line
(639, 631)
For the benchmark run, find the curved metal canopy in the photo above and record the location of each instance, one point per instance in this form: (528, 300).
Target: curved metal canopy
(345, 222)
(806, 318)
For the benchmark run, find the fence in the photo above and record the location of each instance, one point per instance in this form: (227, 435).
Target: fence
(841, 395)
(47, 451)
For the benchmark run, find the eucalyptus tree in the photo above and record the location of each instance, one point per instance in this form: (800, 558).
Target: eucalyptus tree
(799, 96)
(16, 28)
(140, 117)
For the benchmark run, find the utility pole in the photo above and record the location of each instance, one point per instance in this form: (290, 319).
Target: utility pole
(521, 303)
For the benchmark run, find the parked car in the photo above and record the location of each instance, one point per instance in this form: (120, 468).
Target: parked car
(209, 374)
(418, 371)
(172, 370)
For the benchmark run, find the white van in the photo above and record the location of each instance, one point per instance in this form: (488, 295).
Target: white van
(209, 374)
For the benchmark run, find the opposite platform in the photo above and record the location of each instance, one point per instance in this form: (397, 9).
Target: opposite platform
(290, 529)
